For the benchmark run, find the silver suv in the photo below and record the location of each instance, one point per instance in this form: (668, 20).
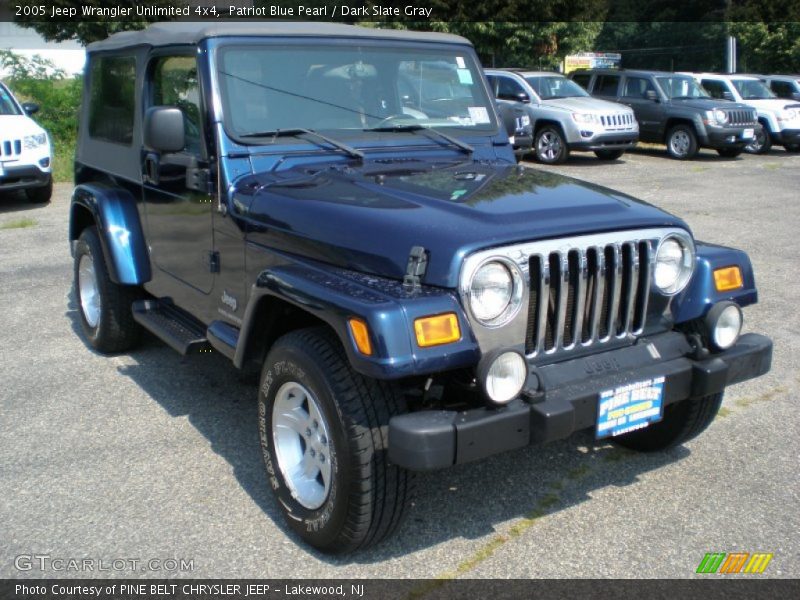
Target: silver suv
(564, 116)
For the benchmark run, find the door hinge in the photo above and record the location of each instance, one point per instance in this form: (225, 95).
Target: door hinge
(415, 269)
(213, 261)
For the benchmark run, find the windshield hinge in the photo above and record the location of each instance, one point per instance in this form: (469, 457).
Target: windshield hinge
(415, 270)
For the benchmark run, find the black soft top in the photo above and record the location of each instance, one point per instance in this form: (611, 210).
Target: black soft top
(169, 33)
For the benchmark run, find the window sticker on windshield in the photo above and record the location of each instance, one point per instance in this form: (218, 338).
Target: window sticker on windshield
(464, 76)
(457, 194)
(478, 114)
(460, 62)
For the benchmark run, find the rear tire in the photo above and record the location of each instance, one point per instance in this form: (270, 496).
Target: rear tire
(729, 152)
(608, 154)
(682, 422)
(104, 306)
(324, 436)
(549, 146)
(40, 195)
(682, 142)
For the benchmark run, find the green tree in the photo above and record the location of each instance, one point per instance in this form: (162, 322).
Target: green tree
(768, 47)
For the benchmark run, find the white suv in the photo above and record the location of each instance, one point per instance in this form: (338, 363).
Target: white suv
(779, 117)
(26, 158)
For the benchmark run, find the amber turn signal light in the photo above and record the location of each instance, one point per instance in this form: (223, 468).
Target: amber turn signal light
(437, 330)
(360, 333)
(728, 278)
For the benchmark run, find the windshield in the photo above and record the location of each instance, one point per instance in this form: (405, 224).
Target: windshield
(681, 87)
(752, 89)
(7, 105)
(350, 89)
(550, 87)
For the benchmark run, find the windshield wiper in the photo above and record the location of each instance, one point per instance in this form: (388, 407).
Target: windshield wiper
(464, 147)
(299, 132)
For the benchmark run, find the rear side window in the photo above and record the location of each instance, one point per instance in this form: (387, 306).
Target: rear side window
(508, 89)
(782, 89)
(582, 79)
(606, 85)
(112, 99)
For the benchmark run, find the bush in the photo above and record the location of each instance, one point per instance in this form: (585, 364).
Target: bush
(38, 80)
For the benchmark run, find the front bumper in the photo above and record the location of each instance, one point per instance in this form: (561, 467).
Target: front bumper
(786, 136)
(565, 399)
(726, 137)
(617, 140)
(22, 177)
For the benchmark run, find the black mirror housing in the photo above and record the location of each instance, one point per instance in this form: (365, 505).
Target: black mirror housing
(164, 129)
(30, 108)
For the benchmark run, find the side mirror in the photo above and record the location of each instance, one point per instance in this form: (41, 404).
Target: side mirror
(796, 96)
(651, 95)
(727, 96)
(523, 97)
(164, 129)
(30, 108)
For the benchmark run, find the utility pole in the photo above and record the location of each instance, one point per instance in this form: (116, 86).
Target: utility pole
(731, 54)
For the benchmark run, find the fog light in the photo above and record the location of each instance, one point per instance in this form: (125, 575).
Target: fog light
(44, 163)
(724, 323)
(504, 377)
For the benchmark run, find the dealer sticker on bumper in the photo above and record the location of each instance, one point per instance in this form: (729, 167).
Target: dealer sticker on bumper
(628, 407)
(748, 134)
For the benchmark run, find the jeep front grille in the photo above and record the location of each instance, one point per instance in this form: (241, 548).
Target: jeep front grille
(741, 117)
(587, 295)
(617, 120)
(10, 148)
(579, 293)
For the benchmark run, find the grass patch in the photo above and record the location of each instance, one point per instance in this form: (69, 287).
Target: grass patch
(63, 157)
(698, 169)
(772, 166)
(723, 412)
(18, 224)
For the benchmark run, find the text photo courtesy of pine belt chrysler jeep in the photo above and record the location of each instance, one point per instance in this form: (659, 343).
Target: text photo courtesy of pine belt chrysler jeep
(778, 118)
(673, 109)
(564, 117)
(414, 299)
(25, 155)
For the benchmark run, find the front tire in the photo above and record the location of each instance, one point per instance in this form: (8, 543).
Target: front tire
(682, 142)
(608, 154)
(682, 421)
(761, 144)
(104, 306)
(323, 429)
(729, 152)
(549, 146)
(40, 195)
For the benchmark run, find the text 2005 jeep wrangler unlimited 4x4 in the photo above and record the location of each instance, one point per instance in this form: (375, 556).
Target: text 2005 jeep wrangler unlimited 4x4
(309, 196)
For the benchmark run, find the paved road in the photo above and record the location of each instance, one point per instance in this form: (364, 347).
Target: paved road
(153, 456)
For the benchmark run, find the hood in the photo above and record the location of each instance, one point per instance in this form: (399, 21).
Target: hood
(368, 218)
(587, 104)
(774, 104)
(17, 126)
(708, 103)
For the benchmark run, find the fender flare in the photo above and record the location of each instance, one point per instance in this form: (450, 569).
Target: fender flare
(115, 214)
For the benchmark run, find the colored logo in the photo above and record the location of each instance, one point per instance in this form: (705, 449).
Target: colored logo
(734, 562)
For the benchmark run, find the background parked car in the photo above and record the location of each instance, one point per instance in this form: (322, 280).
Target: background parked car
(780, 121)
(25, 156)
(564, 116)
(518, 127)
(783, 86)
(673, 109)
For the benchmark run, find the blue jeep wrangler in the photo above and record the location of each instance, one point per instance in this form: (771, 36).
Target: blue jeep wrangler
(312, 198)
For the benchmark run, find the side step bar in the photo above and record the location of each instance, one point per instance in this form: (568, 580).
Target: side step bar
(172, 325)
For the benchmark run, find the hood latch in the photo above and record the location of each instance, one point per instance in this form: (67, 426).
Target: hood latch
(415, 270)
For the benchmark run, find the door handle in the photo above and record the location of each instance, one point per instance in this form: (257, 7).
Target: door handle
(150, 174)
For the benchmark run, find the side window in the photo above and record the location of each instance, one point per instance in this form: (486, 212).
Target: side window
(637, 87)
(606, 85)
(492, 84)
(174, 83)
(112, 98)
(508, 89)
(582, 79)
(782, 89)
(715, 89)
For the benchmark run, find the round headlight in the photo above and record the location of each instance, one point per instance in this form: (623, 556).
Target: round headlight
(724, 323)
(505, 377)
(721, 116)
(493, 293)
(674, 265)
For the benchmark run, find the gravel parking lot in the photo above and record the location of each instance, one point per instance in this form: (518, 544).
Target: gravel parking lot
(150, 455)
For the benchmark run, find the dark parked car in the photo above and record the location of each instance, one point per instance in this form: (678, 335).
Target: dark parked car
(277, 193)
(673, 109)
(783, 86)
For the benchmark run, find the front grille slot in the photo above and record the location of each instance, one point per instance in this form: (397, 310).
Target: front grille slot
(10, 148)
(583, 296)
(741, 117)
